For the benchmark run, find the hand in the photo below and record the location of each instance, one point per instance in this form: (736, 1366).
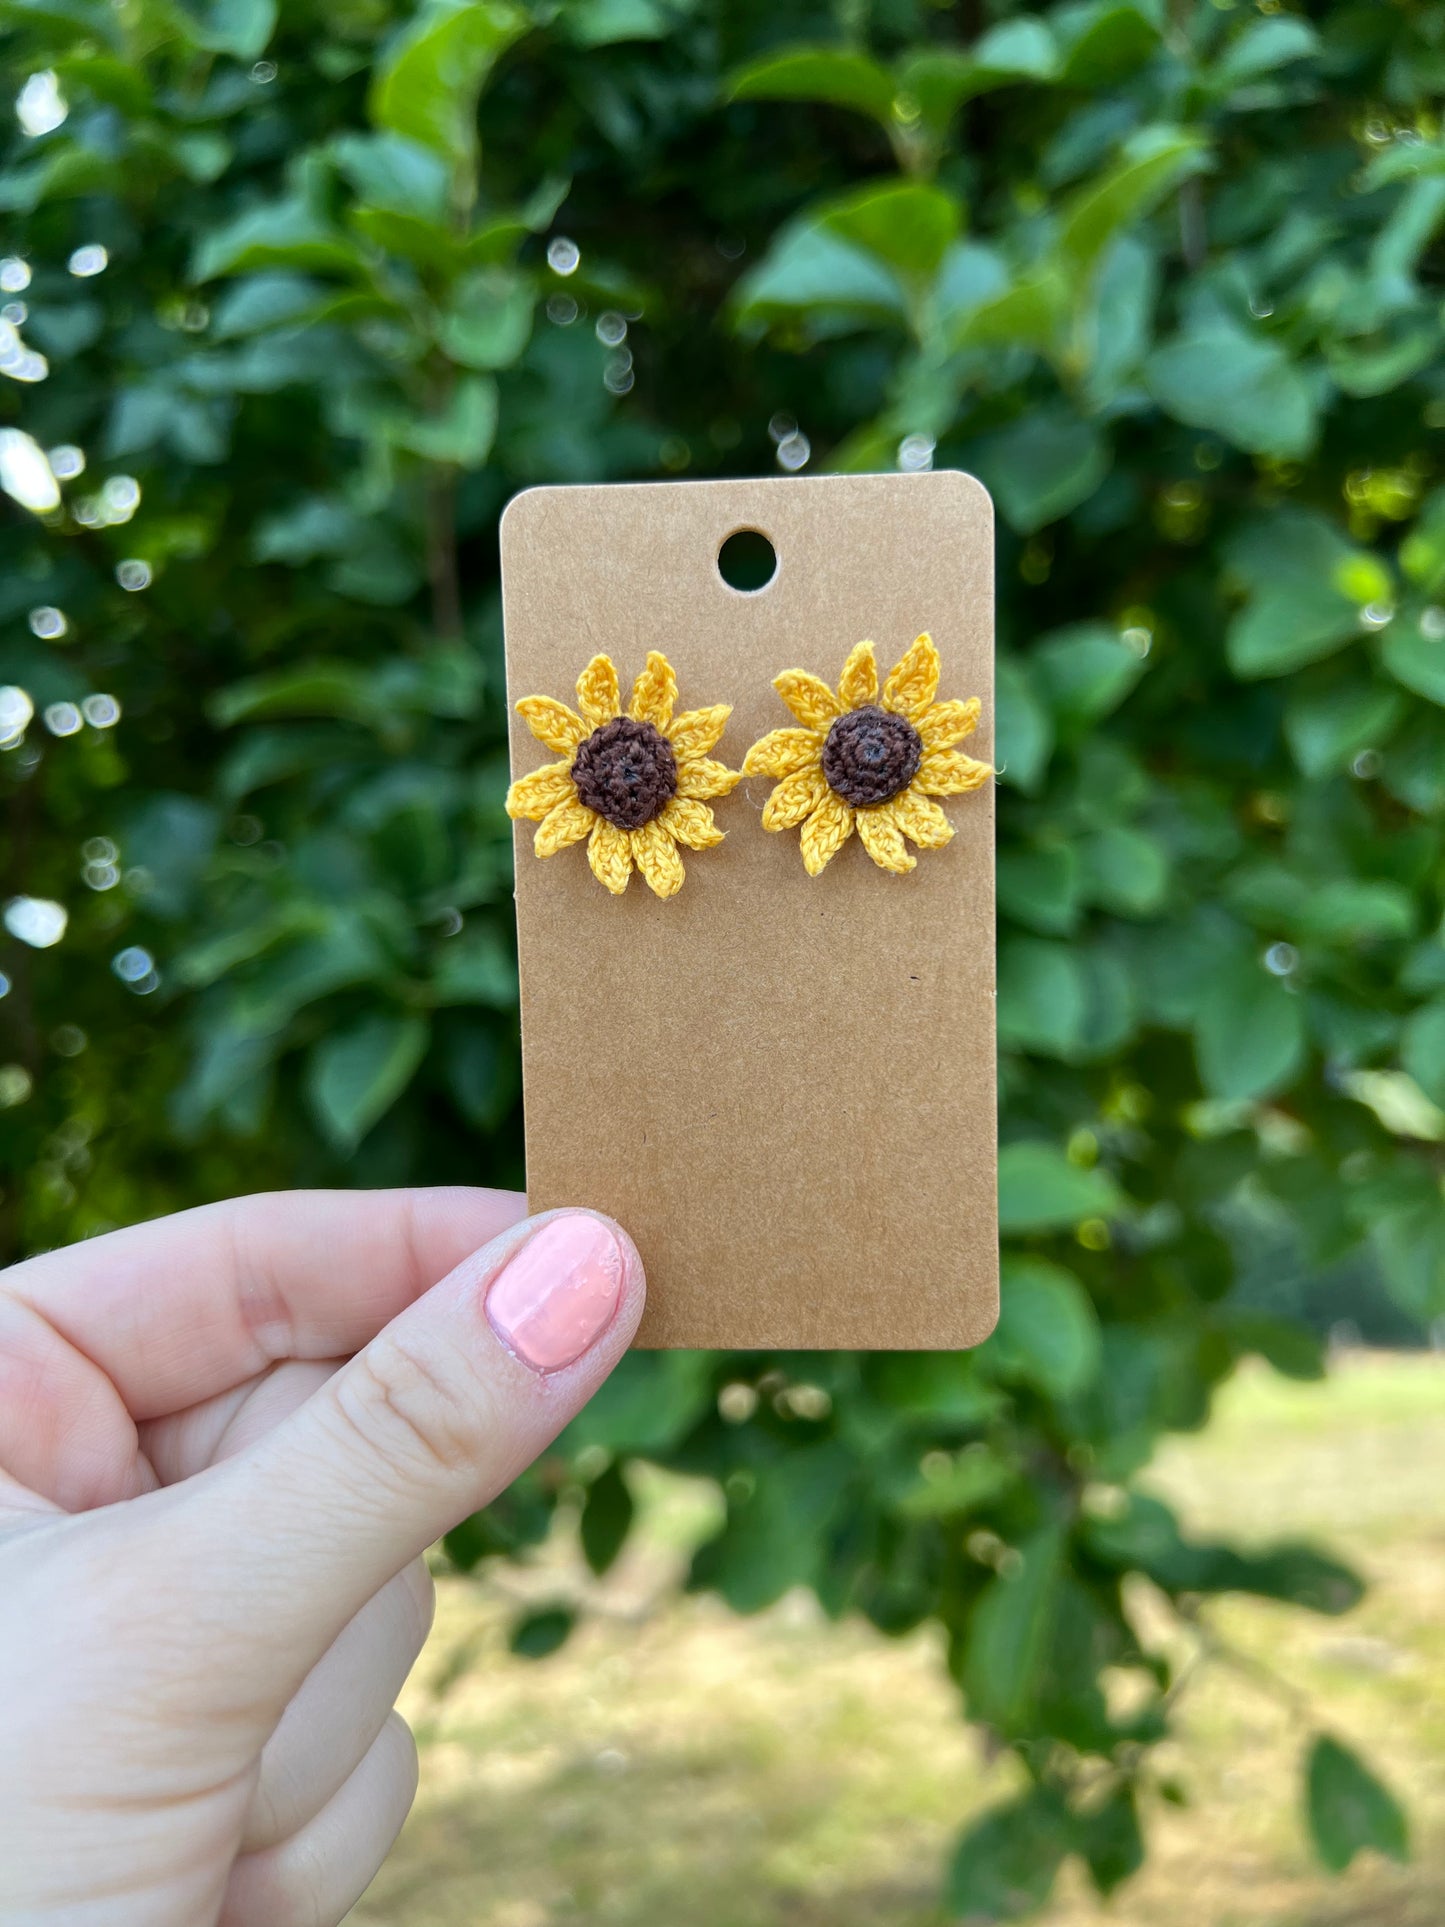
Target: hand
(211, 1517)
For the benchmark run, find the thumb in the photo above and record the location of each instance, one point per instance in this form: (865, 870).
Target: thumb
(433, 1419)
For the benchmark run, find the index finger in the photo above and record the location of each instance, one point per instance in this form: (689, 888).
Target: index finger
(177, 1310)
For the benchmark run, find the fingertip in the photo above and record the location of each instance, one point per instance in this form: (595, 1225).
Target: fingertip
(573, 1287)
(632, 1295)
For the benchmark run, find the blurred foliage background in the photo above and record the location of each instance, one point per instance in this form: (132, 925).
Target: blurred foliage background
(292, 306)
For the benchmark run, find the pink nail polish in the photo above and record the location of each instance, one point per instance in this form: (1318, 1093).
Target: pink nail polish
(559, 1292)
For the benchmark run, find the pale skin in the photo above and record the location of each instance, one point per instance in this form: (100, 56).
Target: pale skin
(226, 1438)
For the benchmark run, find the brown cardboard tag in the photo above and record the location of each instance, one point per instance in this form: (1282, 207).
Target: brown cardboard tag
(783, 1086)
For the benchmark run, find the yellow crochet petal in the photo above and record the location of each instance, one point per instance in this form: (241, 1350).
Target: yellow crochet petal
(654, 692)
(691, 823)
(880, 837)
(656, 855)
(609, 851)
(809, 698)
(553, 723)
(825, 833)
(699, 776)
(945, 723)
(948, 772)
(696, 731)
(598, 696)
(921, 820)
(794, 798)
(535, 794)
(568, 823)
(914, 683)
(783, 751)
(858, 684)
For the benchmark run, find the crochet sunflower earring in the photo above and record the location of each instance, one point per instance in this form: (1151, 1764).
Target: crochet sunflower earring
(858, 763)
(635, 785)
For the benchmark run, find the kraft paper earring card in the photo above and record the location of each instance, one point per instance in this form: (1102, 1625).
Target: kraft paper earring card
(780, 1077)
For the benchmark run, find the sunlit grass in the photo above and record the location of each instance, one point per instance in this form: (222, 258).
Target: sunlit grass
(676, 1765)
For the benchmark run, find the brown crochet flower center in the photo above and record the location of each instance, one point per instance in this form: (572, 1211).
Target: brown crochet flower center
(627, 772)
(870, 755)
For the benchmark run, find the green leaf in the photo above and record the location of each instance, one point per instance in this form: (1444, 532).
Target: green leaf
(774, 1534)
(460, 432)
(1023, 728)
(226, 1071)
(1009, 1634)
(1327, 728)
(1048, 1330)
(1046, 464)
(411, 237)
(282, 234)
(480, 1074)
(1293, 1350)
(1422, 553)
(1348, 1809)
(1006, 1864)
(1030, 314)
(1039, 1190)
(811, 272)
(1039, 886)
(477, 967)
(972, 1479)
(344, 952)
(1296, 611)
(1084, 672)
(1249, 1034)
(1023, 48)
(1414, 771)
(61, 174)
(171, 838)
(354, 1076)
(241, 28)
(906, 224)
(1415, 659)
(1263, 47)
(1111, 1013)
(1298, 1574)
(1422, 1049)
(429, 76)
(1409, 1242)
(1347, 910)
(939, 79)
(489, 321)
(1125, 871)
(1153, 163)
(969, 276)
(1103, 41)
(606, 1519)
(1242, 385)
(107, 79)
(390, 171)
(1111, 1839)
(1381, 363)
(1115, 330)
(608, 23)
(543, 1631)
(649, 1404)
(264, 301)
(69, 331)
(1042, 997)
(819, 73)
(309, 689)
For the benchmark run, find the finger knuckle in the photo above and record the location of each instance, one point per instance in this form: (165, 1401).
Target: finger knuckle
(415, 1410)
(420, 1593)
(407, 1762)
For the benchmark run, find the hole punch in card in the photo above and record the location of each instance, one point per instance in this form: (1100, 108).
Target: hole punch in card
(758, 1009)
